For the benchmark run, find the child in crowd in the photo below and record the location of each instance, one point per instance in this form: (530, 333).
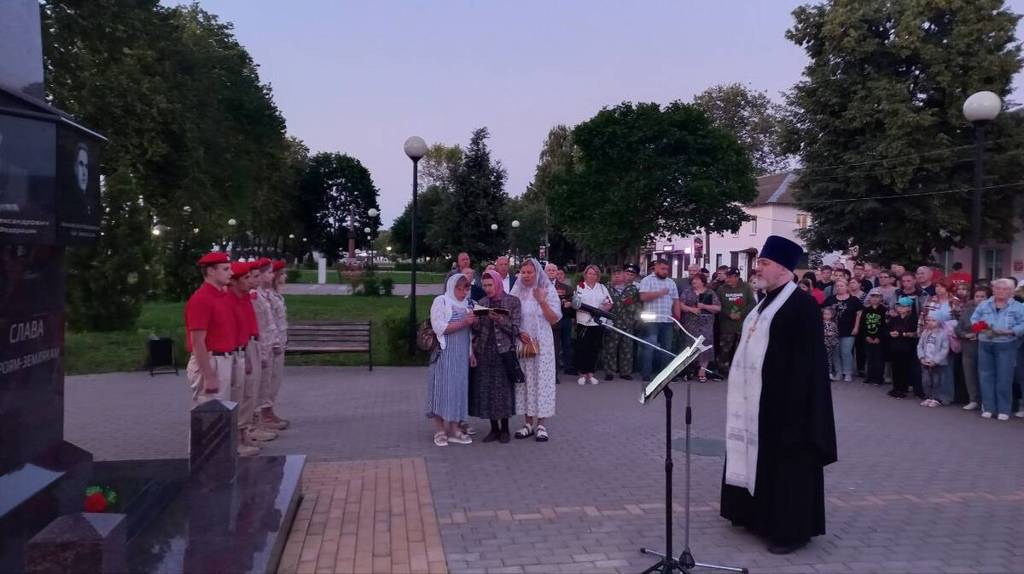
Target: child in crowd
(831, 338)
(932, 351)
(902, 347)
(872, 327)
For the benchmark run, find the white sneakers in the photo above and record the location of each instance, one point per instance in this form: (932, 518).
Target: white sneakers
(581, 381)
(971, 406)
(1003, 417)
(1019, 414)
(847, 379)
(986, 415)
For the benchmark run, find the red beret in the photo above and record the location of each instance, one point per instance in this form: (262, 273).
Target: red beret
(239, 268)
(261, 263)
(280, 264)
(214, 258)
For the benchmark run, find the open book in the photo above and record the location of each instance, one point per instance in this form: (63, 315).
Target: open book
(483, 311)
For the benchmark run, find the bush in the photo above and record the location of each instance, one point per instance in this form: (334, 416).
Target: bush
(387, 286)
(371, 286)
(294, 275)
(397, 333)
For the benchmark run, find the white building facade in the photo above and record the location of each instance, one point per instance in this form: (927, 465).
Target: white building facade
(774, 212)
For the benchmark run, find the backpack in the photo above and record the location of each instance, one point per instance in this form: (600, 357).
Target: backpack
(426, 339)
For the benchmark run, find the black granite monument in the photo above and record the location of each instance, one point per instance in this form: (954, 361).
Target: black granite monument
(209, 513)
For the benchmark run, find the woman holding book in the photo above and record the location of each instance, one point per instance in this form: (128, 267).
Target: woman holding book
(540, 309)
(491, 386)
(448, 381)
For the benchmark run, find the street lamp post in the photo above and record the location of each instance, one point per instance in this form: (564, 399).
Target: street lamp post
(979, 109)
(372, 212)
(415, 148)
(512, 240)
(369, 240)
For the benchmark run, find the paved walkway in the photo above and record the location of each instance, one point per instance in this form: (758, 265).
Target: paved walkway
(916, 490)
(401, 289)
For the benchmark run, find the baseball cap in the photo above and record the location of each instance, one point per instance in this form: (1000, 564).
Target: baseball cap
(733, 271)
(875, 291)
(905, 302)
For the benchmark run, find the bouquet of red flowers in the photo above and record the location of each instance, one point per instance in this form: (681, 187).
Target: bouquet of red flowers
(737, 305)
(98, 499)
(980, 327)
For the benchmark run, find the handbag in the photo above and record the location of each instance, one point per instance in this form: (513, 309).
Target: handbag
(426, 338)
(527, 350)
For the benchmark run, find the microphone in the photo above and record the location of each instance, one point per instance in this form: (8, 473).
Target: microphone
(593, 311)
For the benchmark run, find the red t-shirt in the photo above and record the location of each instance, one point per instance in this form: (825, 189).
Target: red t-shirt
(210, 310)
(242, 308)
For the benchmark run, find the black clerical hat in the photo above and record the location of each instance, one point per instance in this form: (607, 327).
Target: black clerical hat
(782, 251)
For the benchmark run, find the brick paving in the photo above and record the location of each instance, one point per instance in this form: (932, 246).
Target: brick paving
(916, 490)
(365, 516)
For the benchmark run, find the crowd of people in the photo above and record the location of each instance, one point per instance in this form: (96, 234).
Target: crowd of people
(936, 338)
(504, 337)
(236, 327)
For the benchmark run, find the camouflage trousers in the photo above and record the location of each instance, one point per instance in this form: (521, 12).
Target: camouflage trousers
(729, 342)
(617, 353)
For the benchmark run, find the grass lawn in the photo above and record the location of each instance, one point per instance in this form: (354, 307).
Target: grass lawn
(93, 352)
(309, 276)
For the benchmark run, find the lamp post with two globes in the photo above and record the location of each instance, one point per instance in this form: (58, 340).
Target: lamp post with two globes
(415, 148)
(979, 109)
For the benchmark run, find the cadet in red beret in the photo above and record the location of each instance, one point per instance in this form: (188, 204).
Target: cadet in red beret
(248, 364)
(211, 332)
(279, 315)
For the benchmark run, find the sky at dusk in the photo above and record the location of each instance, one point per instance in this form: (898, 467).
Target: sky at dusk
(360, 77)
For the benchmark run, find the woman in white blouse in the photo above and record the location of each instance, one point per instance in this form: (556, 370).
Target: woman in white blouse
(588, 332)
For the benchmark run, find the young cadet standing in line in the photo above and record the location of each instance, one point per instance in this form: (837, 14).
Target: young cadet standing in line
(277, 305)
(270, 339)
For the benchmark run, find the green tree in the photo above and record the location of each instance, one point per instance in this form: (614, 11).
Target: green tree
(187, 117)
(879, 128)
(334, 188)
(755, 121)
(440, 166)
(108, 282)
(556, 161)
(433, 201)
(477, 201)
(643, 170)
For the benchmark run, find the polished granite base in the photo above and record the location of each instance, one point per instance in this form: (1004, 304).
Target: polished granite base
(144, 488)
(35, 493)
(224, 527)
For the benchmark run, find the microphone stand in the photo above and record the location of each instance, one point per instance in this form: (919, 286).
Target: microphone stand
(669, 563)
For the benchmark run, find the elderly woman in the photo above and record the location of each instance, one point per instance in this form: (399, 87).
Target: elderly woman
(699, 307)
(491, 393)
(588, 332)
(448, 381)
(540, 309)
(999, 322)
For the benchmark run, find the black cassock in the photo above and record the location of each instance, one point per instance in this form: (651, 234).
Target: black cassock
(796, 430)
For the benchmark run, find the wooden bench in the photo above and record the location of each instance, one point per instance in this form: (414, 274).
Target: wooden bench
(330, 337)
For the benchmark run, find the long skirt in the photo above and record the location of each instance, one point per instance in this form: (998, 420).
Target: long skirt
(448, 381)
(491, 395)
(587, 347)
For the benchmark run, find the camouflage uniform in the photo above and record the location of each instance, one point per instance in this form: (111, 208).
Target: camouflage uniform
(617, 354)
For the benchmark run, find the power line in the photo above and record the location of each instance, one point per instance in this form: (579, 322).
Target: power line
(899, 157)
(907, 195)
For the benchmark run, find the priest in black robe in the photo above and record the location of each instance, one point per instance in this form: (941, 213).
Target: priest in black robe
(780, 429)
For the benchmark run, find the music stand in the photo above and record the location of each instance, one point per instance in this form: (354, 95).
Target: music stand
(660, 385)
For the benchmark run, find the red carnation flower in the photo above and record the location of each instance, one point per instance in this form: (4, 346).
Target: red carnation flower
(95, 502)
(740, 302)
(979, 327)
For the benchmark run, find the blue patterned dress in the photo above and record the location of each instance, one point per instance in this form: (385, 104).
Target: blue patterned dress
(448, 381)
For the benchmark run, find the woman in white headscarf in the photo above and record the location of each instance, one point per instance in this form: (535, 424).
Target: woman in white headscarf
(540, 310)
(448, 381)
